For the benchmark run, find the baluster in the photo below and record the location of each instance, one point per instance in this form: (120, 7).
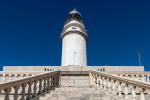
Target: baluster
(16, 88)
(137, 77)
(114, 87)
(9, 77)
(133, 93)
(4, 77)
(104, 83)
(58, 79)
(97, 81)
(16, 76)
(126, 92)
(44, 85)
(51, 79)
(91, 79)
(101, 82)
(94, 78)
(147, 78)
(132, 76)
(27, 75)
(53, 82)
(48, 83)
(142, 97)
(119, 89)
(7, 91)
(143, 77)
(23, 86)
(29, 91)
(109, 85)
(35, 89)
(40, 86)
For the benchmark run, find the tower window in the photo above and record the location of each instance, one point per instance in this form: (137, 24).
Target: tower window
(74, 28)
(103, 69)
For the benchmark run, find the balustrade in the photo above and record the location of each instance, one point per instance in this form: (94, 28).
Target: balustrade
(123, 87)
(144, 76)
(29, 87)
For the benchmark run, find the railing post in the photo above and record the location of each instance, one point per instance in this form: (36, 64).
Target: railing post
(114, 87)
(15, 76)
(119, 89)
(29, 91)
(133, 93)
(148, 78)
(97, 81)
(7, 91)
(143, 77)
(4, 77)
(44, 85)
(142, 97)
(23, 91)
(104, 83)
(35, 89)
(16, 88)
(48, 83)
(91, 79)
(101, 82)
(109, 85)
(126, 91)
(40, 86)
(9, 77)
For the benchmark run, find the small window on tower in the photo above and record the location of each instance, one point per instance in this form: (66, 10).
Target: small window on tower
(74, 28)
(103, 69)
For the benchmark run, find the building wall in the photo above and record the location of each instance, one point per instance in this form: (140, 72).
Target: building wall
(74, 50)
(76, 68)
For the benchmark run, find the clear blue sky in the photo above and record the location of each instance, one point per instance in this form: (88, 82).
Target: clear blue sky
(117, 29)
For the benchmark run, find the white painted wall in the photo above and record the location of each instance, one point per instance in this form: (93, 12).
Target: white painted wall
(74, 50)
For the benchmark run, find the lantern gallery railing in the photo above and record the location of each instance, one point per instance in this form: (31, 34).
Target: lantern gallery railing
(120, 87)
(29, 88)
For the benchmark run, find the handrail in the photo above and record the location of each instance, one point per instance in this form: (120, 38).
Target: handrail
(124, 79)
(38, 83)
(118, 85)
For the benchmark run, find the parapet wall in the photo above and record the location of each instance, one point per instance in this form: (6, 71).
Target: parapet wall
(76, 68)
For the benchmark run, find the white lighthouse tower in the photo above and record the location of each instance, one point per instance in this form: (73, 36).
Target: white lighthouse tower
(74, 41)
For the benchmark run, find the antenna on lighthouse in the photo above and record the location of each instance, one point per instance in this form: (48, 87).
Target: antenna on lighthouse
(139, 57)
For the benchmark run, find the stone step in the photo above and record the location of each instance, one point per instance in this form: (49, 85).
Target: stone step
(83, 93)
(75, 93)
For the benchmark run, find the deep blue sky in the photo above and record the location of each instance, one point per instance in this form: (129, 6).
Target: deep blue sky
(117, 29)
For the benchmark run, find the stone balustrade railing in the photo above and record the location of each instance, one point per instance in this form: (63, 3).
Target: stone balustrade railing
(9, 76)
(143, 76)
(30, 87)
(122, 87)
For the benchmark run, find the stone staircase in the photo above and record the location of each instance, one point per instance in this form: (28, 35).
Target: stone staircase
(76, 93)
(83, 93)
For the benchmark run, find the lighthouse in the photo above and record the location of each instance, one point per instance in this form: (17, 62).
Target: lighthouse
(74, 38)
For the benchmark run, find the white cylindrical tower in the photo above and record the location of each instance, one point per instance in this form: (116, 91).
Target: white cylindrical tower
(74, 41)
